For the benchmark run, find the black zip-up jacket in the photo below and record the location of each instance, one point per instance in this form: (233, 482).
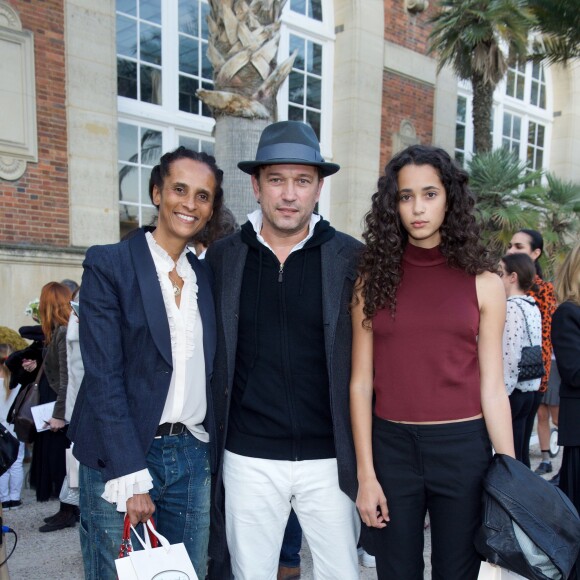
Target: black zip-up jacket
(281, 398)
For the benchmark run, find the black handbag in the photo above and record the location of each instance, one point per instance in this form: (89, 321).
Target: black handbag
(9, 447)
(531, 365)
(28, 397)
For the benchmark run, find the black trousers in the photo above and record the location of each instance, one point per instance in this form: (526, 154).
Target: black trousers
(530, 427)
(434, 468)
(522, 404)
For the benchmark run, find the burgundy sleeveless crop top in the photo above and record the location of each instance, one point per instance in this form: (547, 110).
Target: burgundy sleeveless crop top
(425, 358)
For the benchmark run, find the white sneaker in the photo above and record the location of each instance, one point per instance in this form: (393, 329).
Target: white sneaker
(366, 559)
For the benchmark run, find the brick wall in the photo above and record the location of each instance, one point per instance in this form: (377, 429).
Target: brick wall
(35, 208)
(407, 29)
(405, 98)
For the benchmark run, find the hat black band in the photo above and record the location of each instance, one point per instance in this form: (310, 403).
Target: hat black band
(289, 151)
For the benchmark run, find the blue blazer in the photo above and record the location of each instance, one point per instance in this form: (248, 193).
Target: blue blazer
(126, 349)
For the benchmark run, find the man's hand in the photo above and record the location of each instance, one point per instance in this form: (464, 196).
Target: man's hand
(140, 508)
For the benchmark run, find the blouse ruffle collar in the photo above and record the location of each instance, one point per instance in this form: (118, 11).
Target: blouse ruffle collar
(164, 264)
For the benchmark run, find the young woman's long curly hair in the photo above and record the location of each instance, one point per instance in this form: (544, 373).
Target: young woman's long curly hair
(380, 268)
(54, 308)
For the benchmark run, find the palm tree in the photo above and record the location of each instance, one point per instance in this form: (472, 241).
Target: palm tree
(243, 43)
(559, 206)
(506, 193)
(477, 38)
(559, 23)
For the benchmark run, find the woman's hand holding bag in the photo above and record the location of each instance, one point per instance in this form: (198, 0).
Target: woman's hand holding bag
(154, 562)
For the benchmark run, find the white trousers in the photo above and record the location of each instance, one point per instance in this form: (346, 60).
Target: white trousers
(258, 496)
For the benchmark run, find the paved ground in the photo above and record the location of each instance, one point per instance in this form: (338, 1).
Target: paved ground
(56, 555)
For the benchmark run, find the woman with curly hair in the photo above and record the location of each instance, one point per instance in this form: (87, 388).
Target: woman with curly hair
(427, 376)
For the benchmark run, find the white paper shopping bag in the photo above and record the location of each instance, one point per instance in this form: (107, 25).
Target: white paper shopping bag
(489, 571)
(167, 562)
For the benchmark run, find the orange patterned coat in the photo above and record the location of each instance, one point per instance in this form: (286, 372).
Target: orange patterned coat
(546, 299)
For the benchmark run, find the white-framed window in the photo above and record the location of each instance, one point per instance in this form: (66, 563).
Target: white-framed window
(536, 145)
(511, 136)
(522, 115)
(140, 145)
(310, 8)
(516, 81)
(306, 95)
(461, 129)
(195, 70)
(161, 62)
(305, 82)
(139, 61)
(538, 86)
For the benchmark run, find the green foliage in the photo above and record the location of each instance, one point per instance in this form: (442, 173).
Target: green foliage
(511, 196)
(560, 209)
(470, 36)
(477, 38)
(559, 23)
(504, 189)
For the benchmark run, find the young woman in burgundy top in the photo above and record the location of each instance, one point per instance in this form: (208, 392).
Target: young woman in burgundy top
(427, 376)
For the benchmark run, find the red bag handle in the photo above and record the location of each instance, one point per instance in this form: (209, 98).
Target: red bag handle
(126, 545)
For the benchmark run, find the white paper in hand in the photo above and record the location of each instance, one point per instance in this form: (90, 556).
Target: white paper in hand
(42, 414)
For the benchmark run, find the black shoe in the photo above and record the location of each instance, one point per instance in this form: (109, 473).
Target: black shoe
(63, 520)
(555, 480)
(49, 519)
(15, 504)
(544, 467)
(6, 505)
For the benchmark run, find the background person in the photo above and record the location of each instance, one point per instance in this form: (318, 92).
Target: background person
(531, 242)
(427, 381)
(48, 468)
(75, 372)
(226, 226)
(143, 420)
(566, 341)
(523, 328)
(11, 481)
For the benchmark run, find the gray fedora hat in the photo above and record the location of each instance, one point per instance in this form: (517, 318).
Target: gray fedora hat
(289, 142)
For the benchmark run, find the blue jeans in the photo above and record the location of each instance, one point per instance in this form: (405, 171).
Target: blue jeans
(290, 552)
(179, 466)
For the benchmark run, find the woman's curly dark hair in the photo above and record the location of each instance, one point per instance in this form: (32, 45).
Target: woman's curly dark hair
(161, 171)
(380, 268)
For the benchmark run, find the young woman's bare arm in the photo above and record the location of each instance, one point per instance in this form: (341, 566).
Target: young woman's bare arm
(494, 399)
(371, 501)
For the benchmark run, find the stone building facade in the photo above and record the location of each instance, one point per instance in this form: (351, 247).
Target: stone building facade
(72, 163)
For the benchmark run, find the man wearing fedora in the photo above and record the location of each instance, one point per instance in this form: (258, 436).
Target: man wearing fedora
(282, 369)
